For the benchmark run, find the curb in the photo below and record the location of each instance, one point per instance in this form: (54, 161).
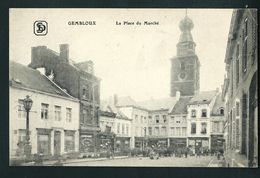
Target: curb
(87, 160)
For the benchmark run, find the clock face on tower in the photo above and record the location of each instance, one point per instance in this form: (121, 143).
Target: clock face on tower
(182, 76)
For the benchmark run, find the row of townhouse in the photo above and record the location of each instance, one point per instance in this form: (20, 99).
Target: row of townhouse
(179, 121)
(53, 118)
(65, 113)
(240, 90)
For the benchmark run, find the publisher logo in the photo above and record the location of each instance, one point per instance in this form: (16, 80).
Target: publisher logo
(40, 28)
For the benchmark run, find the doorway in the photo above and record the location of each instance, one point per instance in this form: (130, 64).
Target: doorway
(57, 142)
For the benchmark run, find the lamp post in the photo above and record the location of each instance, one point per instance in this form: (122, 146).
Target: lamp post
(27, 103)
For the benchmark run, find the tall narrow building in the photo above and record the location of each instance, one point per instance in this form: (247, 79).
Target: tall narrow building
(185, 66)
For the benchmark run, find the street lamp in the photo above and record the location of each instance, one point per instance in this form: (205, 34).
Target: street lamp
(27, 103)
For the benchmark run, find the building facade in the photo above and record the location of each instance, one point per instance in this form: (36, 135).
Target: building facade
(79, 81)
(198, 120)
(240, 90)
(53, 118)
(217, 124)
(177, 133)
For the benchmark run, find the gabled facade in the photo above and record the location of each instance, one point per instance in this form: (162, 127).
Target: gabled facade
(53, 118)
(79, 81)
(198, 120)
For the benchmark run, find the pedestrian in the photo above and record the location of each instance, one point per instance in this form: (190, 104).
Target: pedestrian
(186, 152)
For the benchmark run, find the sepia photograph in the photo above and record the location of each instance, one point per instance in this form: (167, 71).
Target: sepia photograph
(133, 87)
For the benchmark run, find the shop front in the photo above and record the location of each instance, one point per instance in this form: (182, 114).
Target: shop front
(122, 144)
(87, 143)
(44, 141)
(217, 143)
(106, 141)
(199, 144)
(178, 143)
(158, 142)
(140, 143)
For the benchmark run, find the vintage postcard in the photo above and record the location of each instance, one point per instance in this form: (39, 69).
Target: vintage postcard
(133, 87)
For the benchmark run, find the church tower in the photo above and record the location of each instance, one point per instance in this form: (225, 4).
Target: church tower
(185, 66)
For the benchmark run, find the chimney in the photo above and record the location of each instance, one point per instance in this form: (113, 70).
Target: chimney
(115, 99)
(178, 95)
(64, 52)
(90, 67)
(36, 56)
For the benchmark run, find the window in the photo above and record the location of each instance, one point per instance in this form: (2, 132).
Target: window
(44, 111)
(84, 116)
(84, 92)
(118, 128)
(193, 128)
(178, 121)
(203, 113)
(57, 112)
(68, 114)
(178, 131)
(184, 131)
(136, 118)
(21, 110)
(203, 128)
(150, 119)
(150, 130)
(156, 131)
(172, 131)
(182, 65)
(22, 135)
(123, 128)
(164, 119)
(244, 124)
(244, 52)
(144, 119)
(145, 131)
(193, 113)
(221, 111)
(69, 141)
(163, 132)
(237, 108)
(157, 119)
(44, 144)
(237, 65)
(127, 129)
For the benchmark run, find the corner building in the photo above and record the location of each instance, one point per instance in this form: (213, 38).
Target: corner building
(79, 81)
(241, 90)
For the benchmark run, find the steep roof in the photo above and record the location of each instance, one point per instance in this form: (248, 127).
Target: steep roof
(204, 97)
(106, 106)
(125, 101)
(158, 104)
(219, 103)
(26, 77)
(181, 106)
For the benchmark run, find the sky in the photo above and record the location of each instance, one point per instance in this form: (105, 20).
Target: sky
(130, 60)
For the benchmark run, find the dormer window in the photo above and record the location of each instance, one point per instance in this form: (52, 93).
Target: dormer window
(221, 111)
(203, 113)
(193, 113)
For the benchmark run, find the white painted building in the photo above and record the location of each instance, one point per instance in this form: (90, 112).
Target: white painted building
(53, 118)
(198, 120)
(178, 124)
(138, 117)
